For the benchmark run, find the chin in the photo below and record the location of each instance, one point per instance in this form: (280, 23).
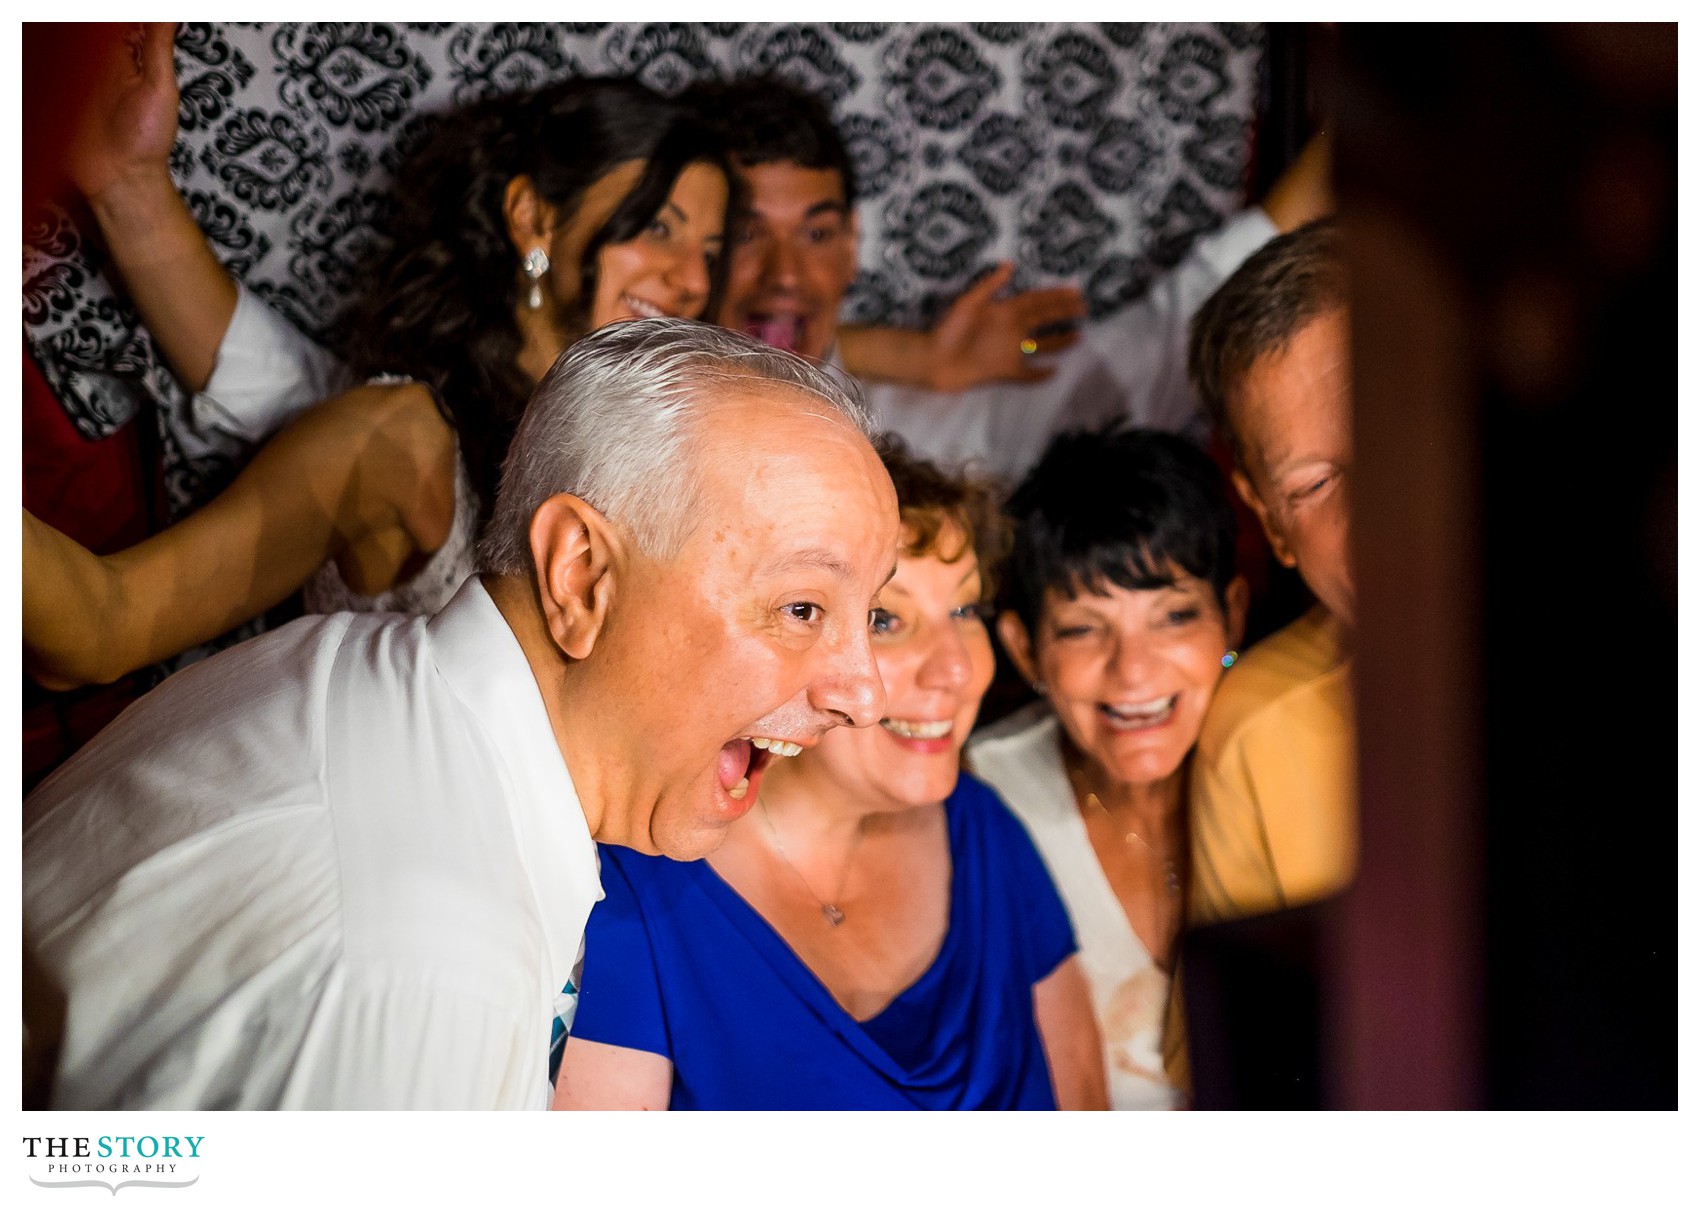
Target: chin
(689, 844)
(1146, 769)
(925, 788)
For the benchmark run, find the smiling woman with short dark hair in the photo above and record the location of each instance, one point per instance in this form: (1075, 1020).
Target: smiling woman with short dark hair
(1123, 609)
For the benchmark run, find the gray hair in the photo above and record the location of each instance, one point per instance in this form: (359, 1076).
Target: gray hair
(612, 424)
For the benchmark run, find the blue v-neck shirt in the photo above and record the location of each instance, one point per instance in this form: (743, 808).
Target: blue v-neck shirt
(678, 964)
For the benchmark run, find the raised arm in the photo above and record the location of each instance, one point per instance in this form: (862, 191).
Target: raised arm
(607, 1077)
(366, 478)
(1305, 191)
(1062, 1007)
(978, 340)
(118, 159)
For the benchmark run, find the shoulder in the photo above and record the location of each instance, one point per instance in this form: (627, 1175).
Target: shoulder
(643, 885)
(237, 739)
(978, 811)
(1277, 673)
(1028, 726)
(1025, 740)
(1021, 757)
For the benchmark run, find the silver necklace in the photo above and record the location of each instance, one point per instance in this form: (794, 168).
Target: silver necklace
(828, 909)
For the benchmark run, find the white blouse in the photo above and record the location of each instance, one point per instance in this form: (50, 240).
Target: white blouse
(1021, 758)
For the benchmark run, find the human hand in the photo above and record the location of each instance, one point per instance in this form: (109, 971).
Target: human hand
(985, 339)
(130, 120)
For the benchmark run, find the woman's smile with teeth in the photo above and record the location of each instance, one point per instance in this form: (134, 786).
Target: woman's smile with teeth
(642, 308)
(920, 730)
(1140, 715)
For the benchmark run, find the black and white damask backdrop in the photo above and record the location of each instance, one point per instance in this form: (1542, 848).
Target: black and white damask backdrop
(1085, 153)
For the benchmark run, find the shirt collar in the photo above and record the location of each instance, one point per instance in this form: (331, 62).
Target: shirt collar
(477, 654)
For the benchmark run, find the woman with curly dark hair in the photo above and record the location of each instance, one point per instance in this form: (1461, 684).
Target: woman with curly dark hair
(526, 221)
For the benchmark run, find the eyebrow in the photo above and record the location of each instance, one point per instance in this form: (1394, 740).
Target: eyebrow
(821, 208)
(813, 557)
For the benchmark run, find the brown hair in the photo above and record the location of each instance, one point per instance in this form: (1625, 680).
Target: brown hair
(1282, 287)
(931, 501)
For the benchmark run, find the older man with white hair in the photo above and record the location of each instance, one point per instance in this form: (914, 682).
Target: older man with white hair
(348, 864)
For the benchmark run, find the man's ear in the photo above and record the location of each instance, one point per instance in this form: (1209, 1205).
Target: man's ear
(575, 552)
(1277, 540)
(1018, 644)
(1236, 601)
(530, 218)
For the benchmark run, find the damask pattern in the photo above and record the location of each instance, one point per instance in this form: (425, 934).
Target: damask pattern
(1087, 153)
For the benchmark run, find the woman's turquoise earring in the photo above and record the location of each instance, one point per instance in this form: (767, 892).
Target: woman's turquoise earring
(1228, 658)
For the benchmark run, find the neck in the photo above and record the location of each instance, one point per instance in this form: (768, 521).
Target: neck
(1153, 806)
(803, 803)
(554, 674)
(541, 339)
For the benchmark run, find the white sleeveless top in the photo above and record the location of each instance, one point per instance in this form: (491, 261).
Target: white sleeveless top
(429, 589)
(1021, 758)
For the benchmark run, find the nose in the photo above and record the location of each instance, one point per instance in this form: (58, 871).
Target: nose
(945, 665)
(850, 688)
(1131, 660)
(782, 264)
(688, 276)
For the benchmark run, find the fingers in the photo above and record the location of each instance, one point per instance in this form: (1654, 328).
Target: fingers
(1053, 342)
(989, 285)
(1053, 305)
(995, 281)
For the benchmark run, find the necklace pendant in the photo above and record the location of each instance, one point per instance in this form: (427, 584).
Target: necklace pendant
(833, 914)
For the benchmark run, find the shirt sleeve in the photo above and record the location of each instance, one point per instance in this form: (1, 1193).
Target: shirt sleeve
(619, 999)
(265, 372)
(1144, 345)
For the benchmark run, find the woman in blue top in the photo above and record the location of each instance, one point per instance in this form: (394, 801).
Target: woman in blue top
(879, 933)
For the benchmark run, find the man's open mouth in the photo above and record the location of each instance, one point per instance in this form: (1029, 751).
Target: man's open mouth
(742, 761)
(784, 330)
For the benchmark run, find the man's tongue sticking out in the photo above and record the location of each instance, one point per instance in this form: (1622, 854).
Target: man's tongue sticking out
(785, 332)
(738, 769)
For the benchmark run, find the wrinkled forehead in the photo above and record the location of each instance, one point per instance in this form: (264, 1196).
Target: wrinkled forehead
(1299, 389)
(784, 489)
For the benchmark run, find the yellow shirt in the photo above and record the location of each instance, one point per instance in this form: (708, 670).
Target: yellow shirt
(1274, 779)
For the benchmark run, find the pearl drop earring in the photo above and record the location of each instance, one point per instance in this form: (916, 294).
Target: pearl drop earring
(536, 265)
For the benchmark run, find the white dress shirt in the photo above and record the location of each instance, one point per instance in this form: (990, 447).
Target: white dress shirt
(341, 865)
(1131, 365)
(265, 371)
